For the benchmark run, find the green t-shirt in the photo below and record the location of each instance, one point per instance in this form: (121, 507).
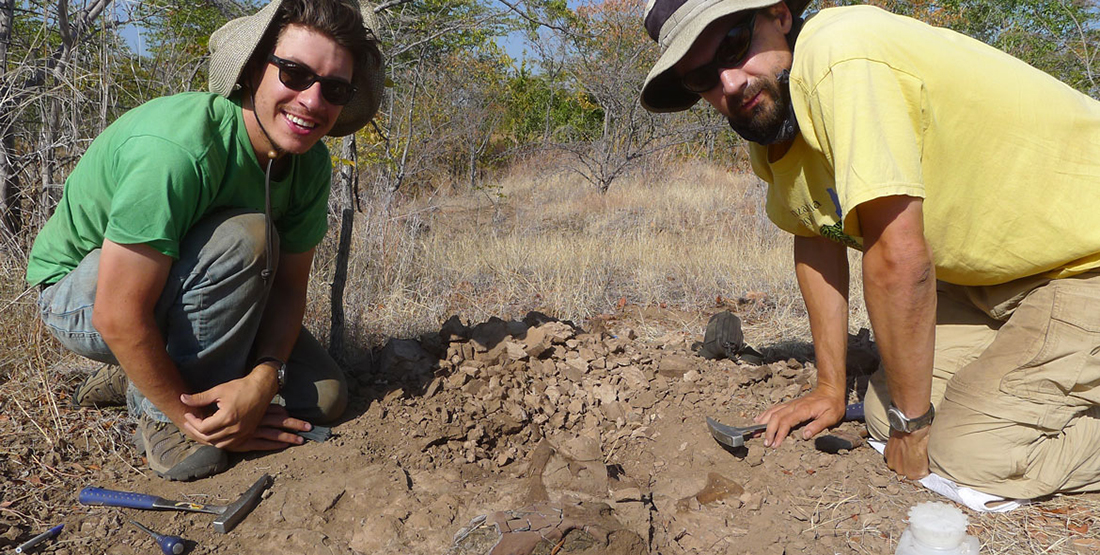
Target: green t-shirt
(163, 166)
(1006, 157)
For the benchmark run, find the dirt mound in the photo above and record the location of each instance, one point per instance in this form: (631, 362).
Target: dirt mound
(510, 418)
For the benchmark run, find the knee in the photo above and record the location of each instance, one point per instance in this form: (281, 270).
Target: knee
(332, 399)
(978, 450)
(234, 237)
(244, 236)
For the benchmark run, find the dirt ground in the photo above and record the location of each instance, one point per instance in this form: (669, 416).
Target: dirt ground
(591, 436)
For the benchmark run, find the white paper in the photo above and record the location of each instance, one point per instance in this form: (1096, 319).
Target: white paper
(976, 500)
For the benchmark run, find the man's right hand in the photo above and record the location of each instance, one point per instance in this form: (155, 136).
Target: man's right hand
(821, 408)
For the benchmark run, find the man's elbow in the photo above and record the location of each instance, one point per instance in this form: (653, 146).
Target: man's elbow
(113, 324)
(899, 265)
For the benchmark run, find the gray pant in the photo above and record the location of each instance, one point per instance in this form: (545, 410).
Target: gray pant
(209, 310)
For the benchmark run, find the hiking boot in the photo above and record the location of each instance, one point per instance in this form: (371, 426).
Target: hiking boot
(173, 455)
(104, 387)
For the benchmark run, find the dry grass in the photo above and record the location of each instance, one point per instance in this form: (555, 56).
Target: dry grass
(546, 240)
(45, 440)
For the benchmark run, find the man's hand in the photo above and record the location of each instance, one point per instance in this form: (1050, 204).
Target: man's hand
(907, 454)
(244, 420)
(822, 407)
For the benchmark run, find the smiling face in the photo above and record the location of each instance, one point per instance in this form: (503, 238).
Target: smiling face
(748, 94)
(295, 120)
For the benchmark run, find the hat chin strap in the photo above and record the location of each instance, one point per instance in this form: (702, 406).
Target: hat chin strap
(275, 151)
(272, 154)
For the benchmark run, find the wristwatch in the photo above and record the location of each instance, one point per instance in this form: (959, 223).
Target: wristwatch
(904, 424)
(280, 372)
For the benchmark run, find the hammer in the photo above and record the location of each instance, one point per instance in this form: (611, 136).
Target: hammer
(228, 515)
(735, 437)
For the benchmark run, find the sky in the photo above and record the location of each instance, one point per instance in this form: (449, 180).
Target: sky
(513, 44)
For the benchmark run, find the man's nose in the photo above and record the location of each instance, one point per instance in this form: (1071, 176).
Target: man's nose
(312, 96)
(733, 80)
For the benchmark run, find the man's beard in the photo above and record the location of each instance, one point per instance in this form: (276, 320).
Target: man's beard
(768, 124)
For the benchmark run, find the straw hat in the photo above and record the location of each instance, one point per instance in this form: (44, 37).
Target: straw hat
(232, 46)
(675, 25)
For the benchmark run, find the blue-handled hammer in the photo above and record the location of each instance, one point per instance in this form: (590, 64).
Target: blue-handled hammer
(228, 515)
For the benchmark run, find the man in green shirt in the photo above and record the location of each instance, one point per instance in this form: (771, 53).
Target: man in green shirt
(967, 179)
(182, 245)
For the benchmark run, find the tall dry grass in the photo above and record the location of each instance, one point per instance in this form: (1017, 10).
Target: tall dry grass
(680, 235)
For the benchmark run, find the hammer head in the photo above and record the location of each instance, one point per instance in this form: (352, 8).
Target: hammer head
(236, 511)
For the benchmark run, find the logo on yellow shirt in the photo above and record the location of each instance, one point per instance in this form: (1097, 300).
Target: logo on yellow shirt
(835, 232)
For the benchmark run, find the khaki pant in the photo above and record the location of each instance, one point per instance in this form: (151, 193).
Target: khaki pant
(1016, 385)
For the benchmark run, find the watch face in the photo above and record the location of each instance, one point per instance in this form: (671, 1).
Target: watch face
(897, 420)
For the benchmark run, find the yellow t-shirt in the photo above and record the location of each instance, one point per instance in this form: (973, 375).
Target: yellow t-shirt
(1006, 157)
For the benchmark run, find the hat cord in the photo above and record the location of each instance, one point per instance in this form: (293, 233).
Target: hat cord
(266, 272)
(271, 156)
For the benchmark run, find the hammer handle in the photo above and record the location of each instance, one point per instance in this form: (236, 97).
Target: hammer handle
(853, 411)
(113, 498)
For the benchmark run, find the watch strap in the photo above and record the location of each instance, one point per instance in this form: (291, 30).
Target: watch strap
(900, 422)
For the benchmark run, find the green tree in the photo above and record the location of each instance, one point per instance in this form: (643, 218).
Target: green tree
(178, 36)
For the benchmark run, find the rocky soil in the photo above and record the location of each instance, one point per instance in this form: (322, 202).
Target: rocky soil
(568, 439)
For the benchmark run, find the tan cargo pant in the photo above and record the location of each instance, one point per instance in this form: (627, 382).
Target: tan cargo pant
(1016, 385)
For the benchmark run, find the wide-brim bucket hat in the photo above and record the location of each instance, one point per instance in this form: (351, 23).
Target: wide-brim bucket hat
(675, 25)
(232, 45)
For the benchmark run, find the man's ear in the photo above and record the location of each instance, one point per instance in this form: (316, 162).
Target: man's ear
(782, 15)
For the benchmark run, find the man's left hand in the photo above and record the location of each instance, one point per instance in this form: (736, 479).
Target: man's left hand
(907, 454)
(244, 415)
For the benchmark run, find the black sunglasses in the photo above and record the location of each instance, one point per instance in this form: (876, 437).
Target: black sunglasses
(730, 53)
(299, 78)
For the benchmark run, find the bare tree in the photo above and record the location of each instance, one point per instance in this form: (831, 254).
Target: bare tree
(608, 60)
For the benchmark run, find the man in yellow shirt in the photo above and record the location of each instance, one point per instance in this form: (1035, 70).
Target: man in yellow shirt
(968, 179)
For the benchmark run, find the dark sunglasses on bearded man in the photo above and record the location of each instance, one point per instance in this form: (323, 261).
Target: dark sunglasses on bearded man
(730, 53)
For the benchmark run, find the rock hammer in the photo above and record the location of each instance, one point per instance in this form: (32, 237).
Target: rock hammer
(227, 515)
(735, 437)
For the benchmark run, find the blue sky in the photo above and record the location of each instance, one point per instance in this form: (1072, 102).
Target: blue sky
(513, 44)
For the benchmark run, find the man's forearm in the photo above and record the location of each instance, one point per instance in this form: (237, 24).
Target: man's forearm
(129, 284)
(286, 307)
(901, 300)
(821, 267)
(140, 350)
(281, 324)
(900, 290)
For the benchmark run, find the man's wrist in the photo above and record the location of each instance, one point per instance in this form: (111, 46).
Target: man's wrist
(278, 367)
(900, 422)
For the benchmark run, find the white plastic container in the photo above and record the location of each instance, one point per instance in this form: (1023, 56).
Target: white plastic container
(937, 529)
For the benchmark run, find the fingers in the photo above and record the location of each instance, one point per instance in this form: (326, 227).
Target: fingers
(276, 430)
(211, 424)
(782, 418)
(202, 398)
(267, 439)
(219, 437)
(285, 422)
(813, 428)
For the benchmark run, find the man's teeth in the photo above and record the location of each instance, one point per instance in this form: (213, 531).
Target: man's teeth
(300, 122)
